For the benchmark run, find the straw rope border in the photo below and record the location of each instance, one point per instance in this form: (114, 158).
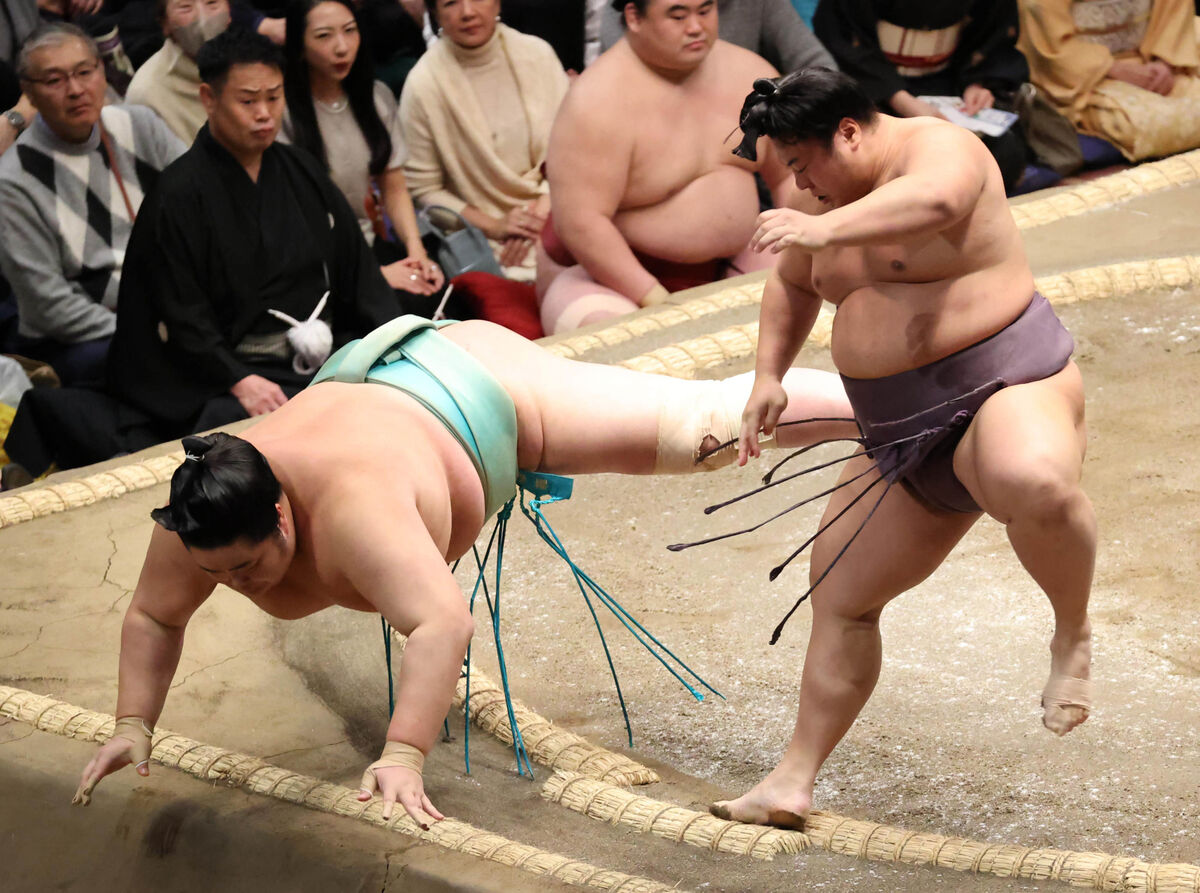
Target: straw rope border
(1153, 176)
(868, 840)
(696, 356)
(620, 806)
(546, 744)
(214, 764)
(687, 359)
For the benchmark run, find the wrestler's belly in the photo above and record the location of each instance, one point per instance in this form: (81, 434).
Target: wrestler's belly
(712, 216)
(885, 328)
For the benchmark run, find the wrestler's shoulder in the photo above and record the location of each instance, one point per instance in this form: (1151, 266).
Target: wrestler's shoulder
(923, 134)
(606, 90)
(739, 62)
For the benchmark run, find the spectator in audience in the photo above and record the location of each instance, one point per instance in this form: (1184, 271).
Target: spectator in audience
(807, 8)
(100, 20)
(558, 22)
(393, 33)
(18, 110)
(349, 122)
(240, 229)
(69, 190)
(169, 82)
(648, 197)
(771, 28)
(899, 52)
(477, 111)
(18, 18)
(1117, 72)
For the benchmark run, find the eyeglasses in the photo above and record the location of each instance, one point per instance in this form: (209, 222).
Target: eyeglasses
(58, 80)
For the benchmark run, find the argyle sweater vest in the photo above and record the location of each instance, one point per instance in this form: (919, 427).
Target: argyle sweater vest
(64, 223)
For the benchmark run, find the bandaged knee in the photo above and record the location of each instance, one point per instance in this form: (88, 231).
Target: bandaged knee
(396, 755)
(689, 431)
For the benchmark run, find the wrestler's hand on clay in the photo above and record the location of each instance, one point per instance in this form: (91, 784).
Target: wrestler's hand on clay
(765, 405)
(130, 743)
(782, 228)
(397, 784)
(258, 395)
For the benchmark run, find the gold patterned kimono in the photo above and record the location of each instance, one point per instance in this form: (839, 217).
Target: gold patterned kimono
(1071, 44)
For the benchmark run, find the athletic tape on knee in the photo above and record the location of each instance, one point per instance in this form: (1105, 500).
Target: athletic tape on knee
(396, 755)
(688, 429)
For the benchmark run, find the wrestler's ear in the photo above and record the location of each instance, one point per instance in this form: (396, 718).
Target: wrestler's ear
(851, 131)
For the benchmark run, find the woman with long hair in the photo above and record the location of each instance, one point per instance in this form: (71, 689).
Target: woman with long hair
(337, 111)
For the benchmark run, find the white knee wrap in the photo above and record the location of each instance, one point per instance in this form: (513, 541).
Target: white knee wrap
(708, 416)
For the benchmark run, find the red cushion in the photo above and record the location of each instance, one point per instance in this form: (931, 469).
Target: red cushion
(510, 304)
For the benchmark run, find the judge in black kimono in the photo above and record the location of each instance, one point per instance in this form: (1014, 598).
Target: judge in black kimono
(244, 269)
(242, 247)
(899, 50)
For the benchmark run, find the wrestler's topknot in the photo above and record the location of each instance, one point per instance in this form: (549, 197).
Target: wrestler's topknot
(808, 104)
(224, 491)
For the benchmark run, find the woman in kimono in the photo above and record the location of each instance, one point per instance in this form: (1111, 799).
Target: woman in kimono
(1123, 70)
(901, 51)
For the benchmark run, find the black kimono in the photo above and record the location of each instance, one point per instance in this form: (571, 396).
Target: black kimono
(935, 48)
(210, 252)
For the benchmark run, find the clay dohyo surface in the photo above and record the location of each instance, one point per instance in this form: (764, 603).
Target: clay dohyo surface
(951, 742)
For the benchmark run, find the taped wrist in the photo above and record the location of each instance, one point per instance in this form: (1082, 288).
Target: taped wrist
(396, 755)
(688, 429)
(657, 295)
(138, 732)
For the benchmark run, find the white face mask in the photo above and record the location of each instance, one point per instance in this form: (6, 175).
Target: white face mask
(193, 35)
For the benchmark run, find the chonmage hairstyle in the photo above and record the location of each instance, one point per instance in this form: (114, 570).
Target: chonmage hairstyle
(234, 46)
(359, 85)
(224, 491)
(808, 104)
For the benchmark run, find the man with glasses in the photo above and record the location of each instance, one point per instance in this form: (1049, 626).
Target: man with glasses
(69, 190)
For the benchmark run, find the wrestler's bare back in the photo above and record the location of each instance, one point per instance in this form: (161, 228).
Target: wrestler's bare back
(906, 304)
(369, 457)
(681, 194)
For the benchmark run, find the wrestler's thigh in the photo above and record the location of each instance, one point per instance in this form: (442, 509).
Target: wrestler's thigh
(1025, 438)
(573, 417)
(903, 543)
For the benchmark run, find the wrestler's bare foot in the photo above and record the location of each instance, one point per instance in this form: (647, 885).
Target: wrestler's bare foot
(777, 800)
(1067, 698)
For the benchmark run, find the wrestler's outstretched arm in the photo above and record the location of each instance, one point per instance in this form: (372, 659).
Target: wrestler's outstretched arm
(942, 174)
(391, 560)
(168, 592)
